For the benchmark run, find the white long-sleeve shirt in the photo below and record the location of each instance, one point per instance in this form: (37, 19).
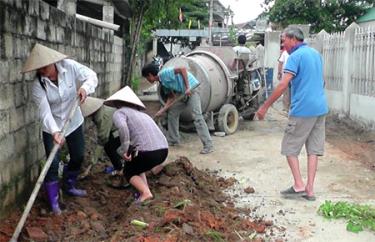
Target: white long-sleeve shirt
(54, 102)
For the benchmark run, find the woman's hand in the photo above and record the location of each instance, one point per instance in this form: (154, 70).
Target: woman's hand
(58, 138)
(82, 94)
(127, 157)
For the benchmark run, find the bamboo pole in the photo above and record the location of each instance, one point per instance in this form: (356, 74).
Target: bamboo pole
(43, 174)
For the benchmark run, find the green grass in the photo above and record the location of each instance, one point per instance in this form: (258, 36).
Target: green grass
(359, 217)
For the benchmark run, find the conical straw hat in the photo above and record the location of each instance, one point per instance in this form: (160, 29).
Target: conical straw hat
(41, 56)
(91, 105)
(122, 97)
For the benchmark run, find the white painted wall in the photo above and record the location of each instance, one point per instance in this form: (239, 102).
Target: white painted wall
(362, 108)
(335, 100)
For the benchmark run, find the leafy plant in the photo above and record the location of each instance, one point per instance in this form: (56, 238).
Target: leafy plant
(359, 217)
(182, 204)
(159, 210)
(215, 235)
(232, 34)
(135, 83)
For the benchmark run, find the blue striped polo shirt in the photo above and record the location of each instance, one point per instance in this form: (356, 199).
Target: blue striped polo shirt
(174, 82)
(307, 86)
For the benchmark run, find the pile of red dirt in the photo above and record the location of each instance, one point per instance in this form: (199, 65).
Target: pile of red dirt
(188, 205)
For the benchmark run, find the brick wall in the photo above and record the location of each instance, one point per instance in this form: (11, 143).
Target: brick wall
(22, 24)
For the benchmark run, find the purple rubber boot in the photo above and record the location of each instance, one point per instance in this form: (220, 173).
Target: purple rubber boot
(70, 180)
(52, 189)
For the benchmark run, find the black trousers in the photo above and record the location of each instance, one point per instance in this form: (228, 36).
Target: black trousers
(110, 149)
(76, 147)
(144, 161)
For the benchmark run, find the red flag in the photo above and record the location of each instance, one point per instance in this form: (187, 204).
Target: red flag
(181, 16)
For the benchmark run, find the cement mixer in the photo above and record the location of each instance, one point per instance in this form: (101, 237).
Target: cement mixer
(229, 86)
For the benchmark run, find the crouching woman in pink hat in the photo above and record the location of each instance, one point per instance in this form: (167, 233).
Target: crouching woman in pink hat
(59, 81)
(143, 145)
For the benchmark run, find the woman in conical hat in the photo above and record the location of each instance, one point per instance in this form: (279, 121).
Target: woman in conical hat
(59, 81)
(143, 145)
(107, 138)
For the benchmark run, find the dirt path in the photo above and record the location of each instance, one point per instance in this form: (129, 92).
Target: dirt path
(252, 156)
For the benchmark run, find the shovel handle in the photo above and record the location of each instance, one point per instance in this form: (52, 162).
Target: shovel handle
(43, 174)
(177, 99)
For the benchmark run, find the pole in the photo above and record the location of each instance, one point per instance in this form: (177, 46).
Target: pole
(43, 174)
(98, 22)
(210, 22)
(179, 98)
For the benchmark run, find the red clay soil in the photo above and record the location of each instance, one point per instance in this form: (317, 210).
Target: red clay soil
(355, 141)
(188, 205)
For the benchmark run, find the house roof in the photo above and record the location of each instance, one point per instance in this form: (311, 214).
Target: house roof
(368, 16)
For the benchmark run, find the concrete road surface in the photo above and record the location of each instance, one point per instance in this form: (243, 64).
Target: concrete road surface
(252, 156)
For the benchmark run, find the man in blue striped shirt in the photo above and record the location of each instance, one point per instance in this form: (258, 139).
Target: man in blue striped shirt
(306, 124)
(179, 81)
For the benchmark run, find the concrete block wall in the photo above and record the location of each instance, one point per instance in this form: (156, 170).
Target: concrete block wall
(22, 24)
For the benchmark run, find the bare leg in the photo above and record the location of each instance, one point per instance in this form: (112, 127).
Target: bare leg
(312, 164)
(157, 169)
(294, 167)
(141, 186)
(144, 179)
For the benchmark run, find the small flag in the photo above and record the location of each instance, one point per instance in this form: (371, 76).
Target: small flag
(189, 23)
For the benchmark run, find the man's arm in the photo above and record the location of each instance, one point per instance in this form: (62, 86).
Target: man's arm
(281, 87)
(280, 70)
(167, 105)
(183, 72)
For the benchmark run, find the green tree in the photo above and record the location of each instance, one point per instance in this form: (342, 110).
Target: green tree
(331, 15)
(148, 15)
(194, 11)
(337, 15)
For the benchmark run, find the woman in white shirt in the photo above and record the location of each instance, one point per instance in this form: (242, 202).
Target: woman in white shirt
(59, 81)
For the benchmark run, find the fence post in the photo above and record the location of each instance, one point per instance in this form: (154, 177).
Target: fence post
(349, 37)
(319, 41)
(271, 55)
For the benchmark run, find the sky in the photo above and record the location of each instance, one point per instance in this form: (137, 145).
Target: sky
(244, 10)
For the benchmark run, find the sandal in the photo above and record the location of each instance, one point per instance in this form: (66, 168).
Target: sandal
(290, 192)
(309, 198)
